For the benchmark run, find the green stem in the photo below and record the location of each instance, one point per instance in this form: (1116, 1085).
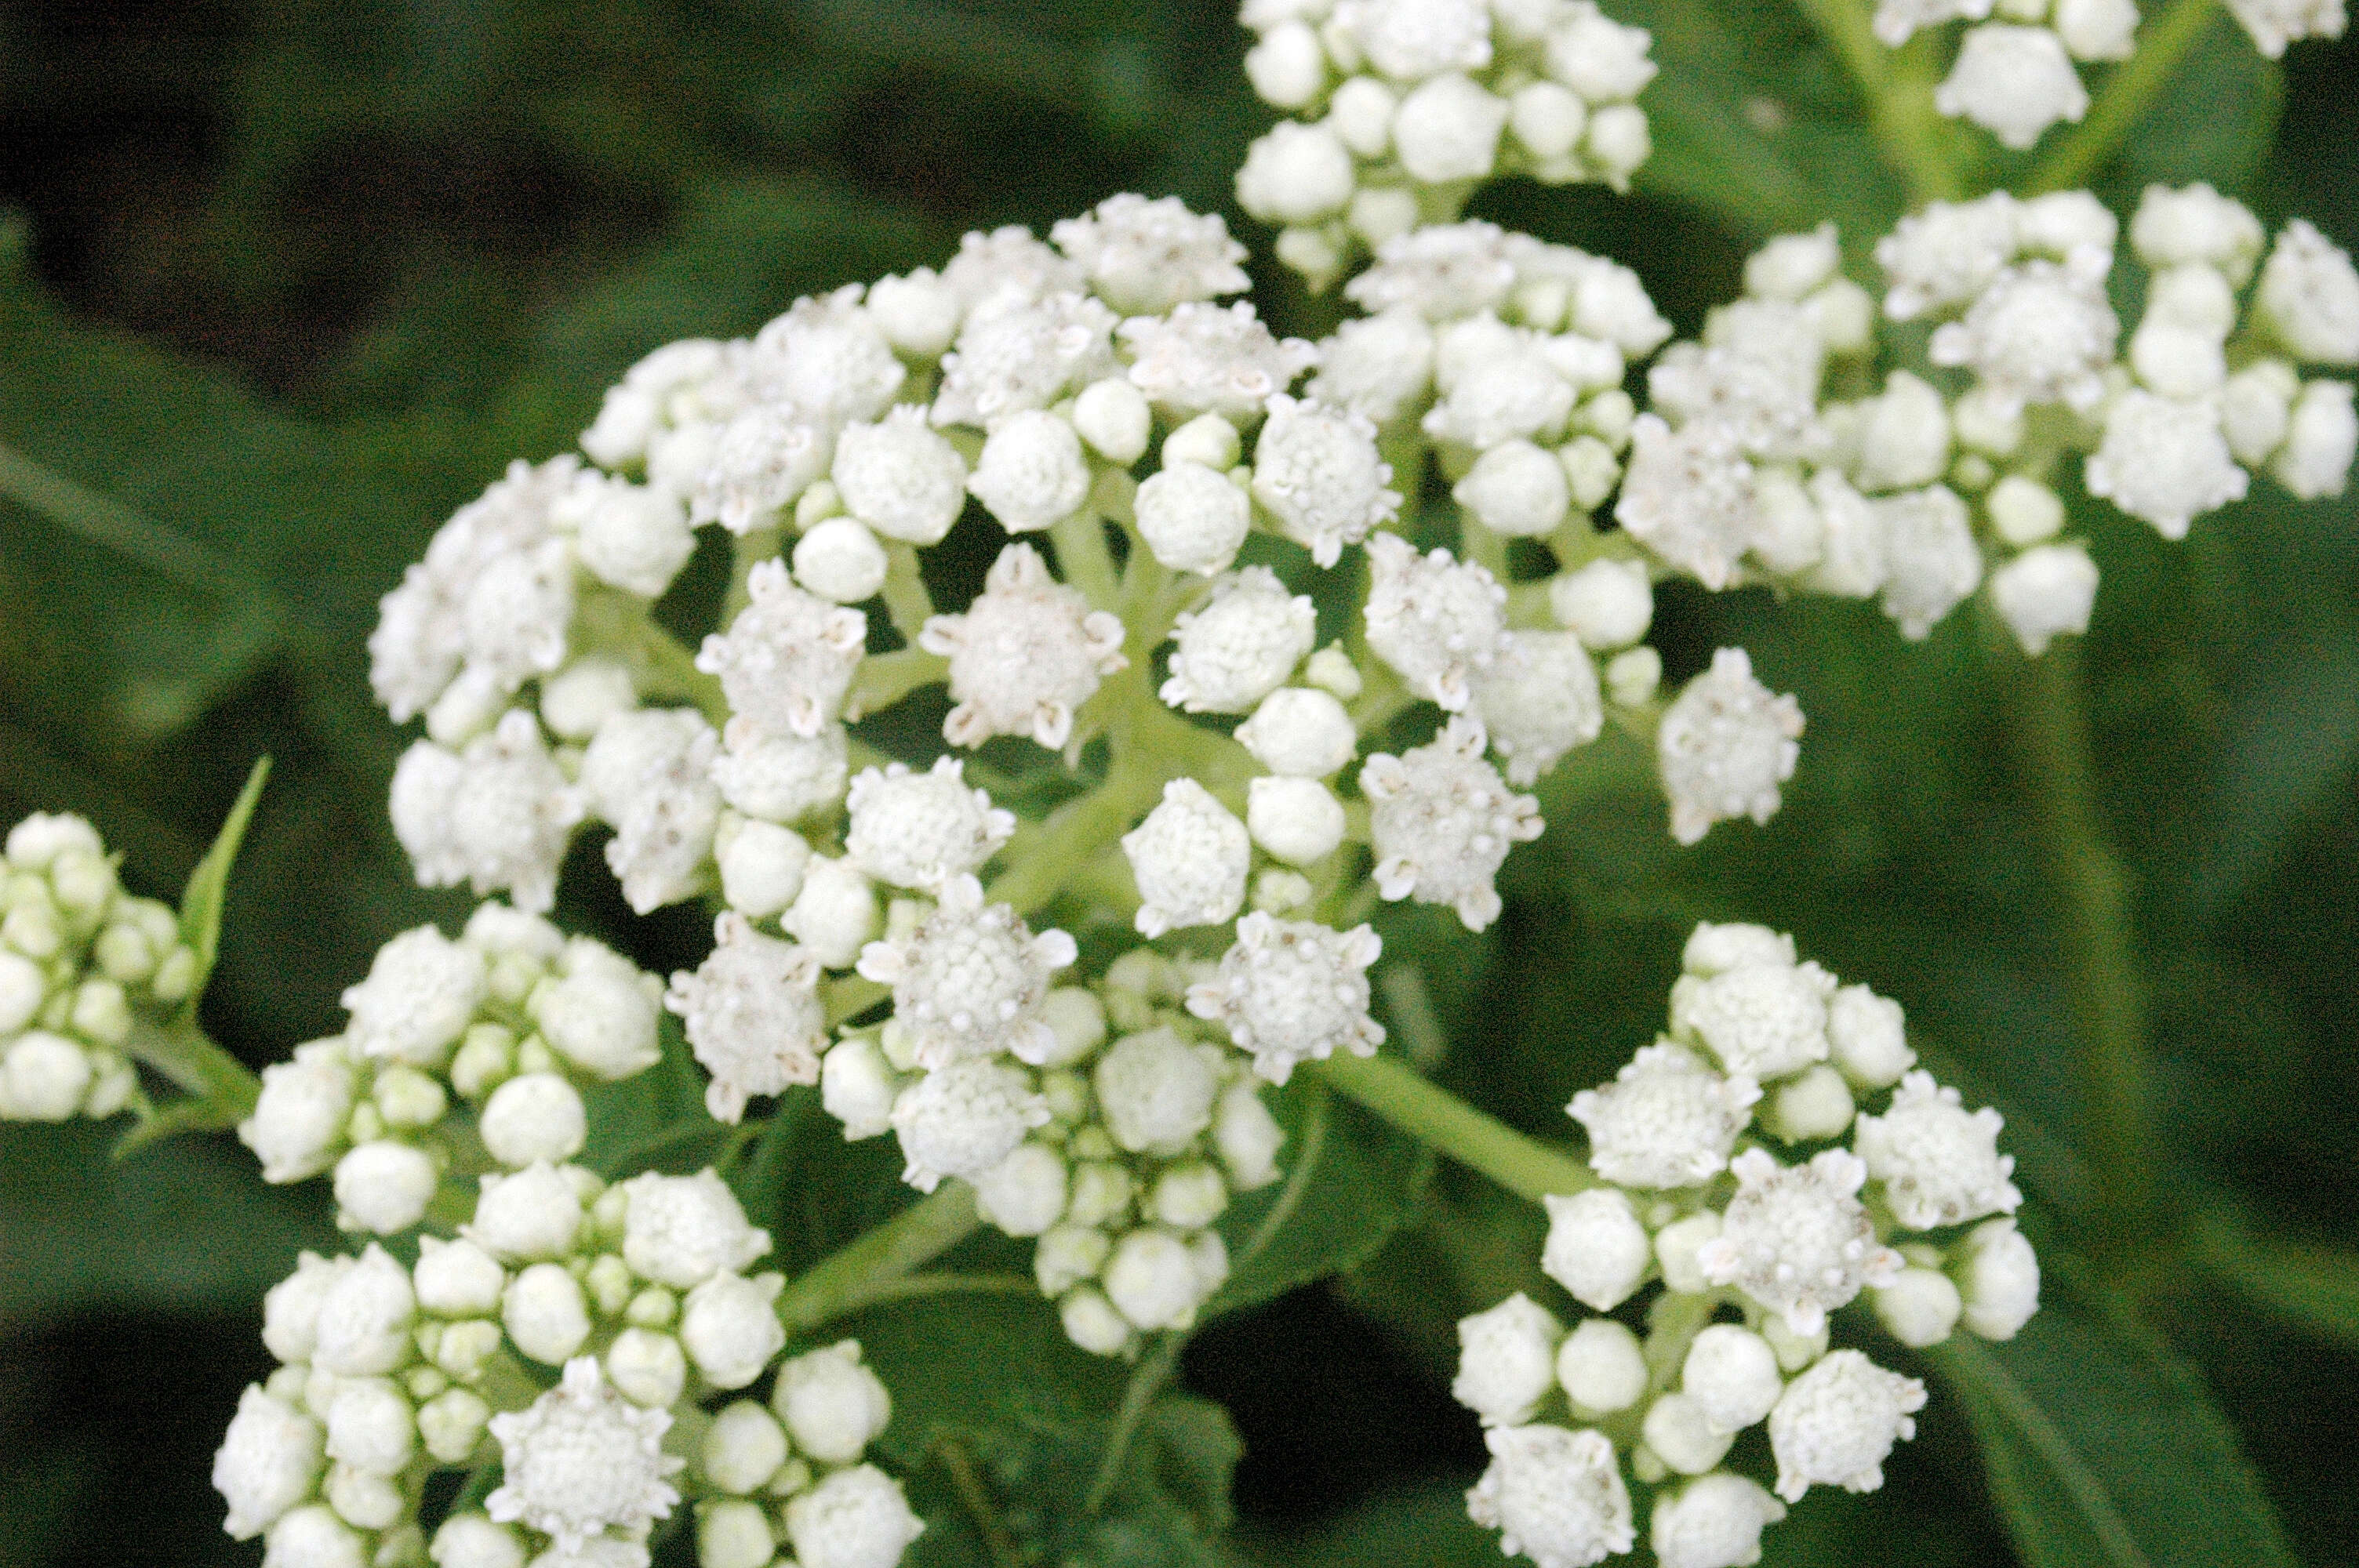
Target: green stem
(1394, 1091)
(906, 599)
(1082, 551)
(673, 672)
(870, 1268)
(105, 522)
(2129, 93)
(1899, 102)
(886, 679)
(186, 1055)
(1147, 1382)
(2101, 964)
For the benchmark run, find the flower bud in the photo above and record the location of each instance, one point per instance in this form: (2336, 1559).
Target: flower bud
(1683, 1437)
(833, 1406)
(384, 1186)
(1596, 1249)
(1731, 1375)
(545, 1313)
(648, 1368)
(1600, 1367)
(743, 1448)
(730, 1327)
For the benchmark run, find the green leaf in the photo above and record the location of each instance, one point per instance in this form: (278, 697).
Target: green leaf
(2315, 1289)
(202, 901)
(1350, 1182)
(2101, 1447)
(187, 1228)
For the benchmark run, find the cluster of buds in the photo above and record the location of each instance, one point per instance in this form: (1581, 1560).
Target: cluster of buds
(1725, 1176)
(576, 1331)
(2017, 71)
(1399, 108)
(83, 966)
(463, 1060)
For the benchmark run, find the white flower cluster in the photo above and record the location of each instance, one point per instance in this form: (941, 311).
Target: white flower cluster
(1400, 107)
(639, 1291)
(1723, 1177)
(82, 966)
(462, 1059)
(1099, 1119)
(2017, 71)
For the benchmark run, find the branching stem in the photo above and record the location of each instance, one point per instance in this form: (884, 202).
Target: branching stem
(870, 1268)
(1395, 1092)
(2129, 93)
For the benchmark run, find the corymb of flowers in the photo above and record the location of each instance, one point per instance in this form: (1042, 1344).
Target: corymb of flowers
(1272, 632)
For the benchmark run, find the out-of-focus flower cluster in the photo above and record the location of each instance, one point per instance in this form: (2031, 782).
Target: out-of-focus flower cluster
(1399, 108)
(586, 1336)
(83, 966)
(1773, 1158)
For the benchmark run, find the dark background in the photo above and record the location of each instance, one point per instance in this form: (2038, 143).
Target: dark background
(292, 280)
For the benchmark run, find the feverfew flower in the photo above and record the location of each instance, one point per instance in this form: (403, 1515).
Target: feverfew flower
(1190, 858)
(1316, 470)
(969, 980)
(647, 771)
(2042, 332)
(1443, 823)
(1940, 1163)
(918, 830)
(1835, 1424)
(1726, 746)
(1205, 359)
(787, 661)
(1796, 1239)
(2309, 296)
(753, 1016)
(1240, 645)
(582, 1461)
(1437, 621)
(1687, 496)
(1145, 258)
(1557, 1497)
(1944, 257)
(900, 478)
(1290, 991)
(1666, 1120)
(1018, 352)
(1024, 655)
(964, 1118)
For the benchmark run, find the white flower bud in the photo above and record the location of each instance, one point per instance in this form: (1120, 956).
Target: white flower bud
(1295, 173)
(743, 1448)
(1904, 437)
(1157, 1092)
(1836, 1423)
(965, 1117)
(1633, 676)
(2044, 593)
(457, 1279)
(1726, 745)
(2024, 511)
(1189, 859)
(1068, 1255)
(1299, 732)
(1296, 820)
(1287, 67)
(634, 536)
(601, 1015)
(857, 1088)
(534, 1213)
(1919, 1308)
(1208, 440)
(1600, 1367)
(853, 1518)
(729, 1326)
(1714, 1521)
(266, 1464)
(1189, 1198)
(384, 1186)
(1516, 489)
(1247, 1137)
(1596, 1249)
(1506, 1360)
(536, 1117)
(834, 914)
(1032, 471)
(1606, 604)
(734, 1535)
(1113, 417)
(1092, 1322)
(545, 1312)
(1555, 1496)
(1152, 1281)
(1619, 142)
(1814, 1105)
(466, 1347)
(1998, 1278)
(840, 560)
(1714, 949)
(1677, 1246)
(421, 992)
(298, 1118)
(371, 1428)
(1024, 1194)
(23, 987)
(919, 313)
(833, 1406)
(1682, 1436)
(364, 1319)
(1731, 1375)
(1547, 119)
(472, 1541)
(681, 1230)
(2014, 82)
(761, 866)
(1361, 112)
(1448, 129)
(313, 1537)
(2309, 296)
(1793, 266)
(2322, 437)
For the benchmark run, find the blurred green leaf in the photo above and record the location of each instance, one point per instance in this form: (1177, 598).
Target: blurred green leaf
(2101, 1447)
(208, 891)
(185, 1227)
(2316, 1288)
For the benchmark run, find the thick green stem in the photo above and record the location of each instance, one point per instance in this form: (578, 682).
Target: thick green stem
(2101, 965)
(2129, 93)
(673, 672)
(1897, 89)
(1394, 1091)
(870, 1268)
